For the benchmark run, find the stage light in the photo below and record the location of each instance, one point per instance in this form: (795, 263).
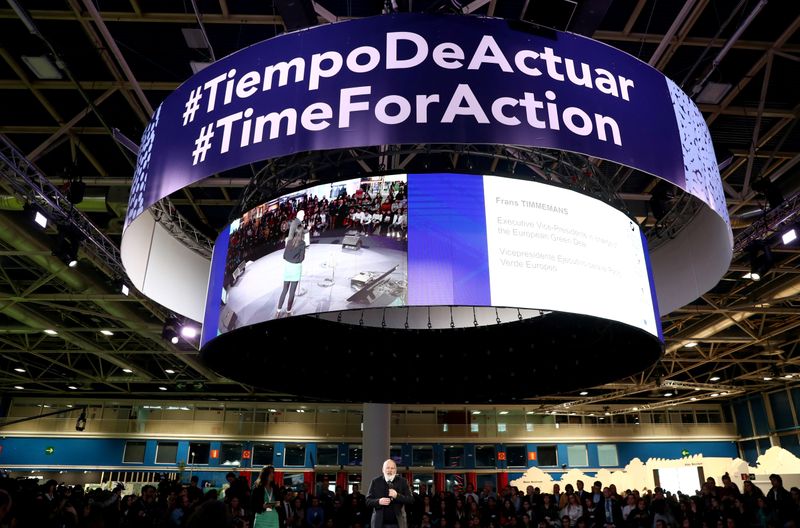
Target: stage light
(36, 215)
(127, 371)
(691, 344)
(80, 425)
(50, 331)
(189, 331)
(118, 284)
(68, 243)
(584, 393)
(789, 236)
(107, 332)
(714, 378)
(72, 387)
(169, 371)
(761, 260)
(162, 388)
(19, 369)
(170, 332)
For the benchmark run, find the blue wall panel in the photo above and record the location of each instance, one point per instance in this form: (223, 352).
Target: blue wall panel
(644, 450)
(743, 422)
(68, 451)
(781, 410)
(88, 452)
(759, 415)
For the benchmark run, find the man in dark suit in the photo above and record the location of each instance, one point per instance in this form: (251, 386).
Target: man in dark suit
(608, 513)
(388, 495)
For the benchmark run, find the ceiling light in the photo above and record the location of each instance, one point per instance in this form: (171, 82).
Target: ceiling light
(273, 410)
(503, 412)
(476, 412)
(635, 409)
(107, 332)
(608, 413)
(189, 331)
(42, 67)
(760, 260)
(50, 331)
(712, 93)
(584, 393)
(714, 395)
(19, 387)
(124, 289)
(300, 410)
(169, 371)
(714, 378)
(530, 412)
(19, 369)
(127, 371)
(162, 388)
(693, 398)
(169, 331)
(691, 344)
(787, 376)
(789, 236)
(723, 393)
(72, 387)
(194, 38)
(749, 275)
(767, 378)
(41, 220)
(591, 414)
(667, 394)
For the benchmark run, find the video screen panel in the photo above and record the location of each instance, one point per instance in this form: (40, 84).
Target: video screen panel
(430, 240)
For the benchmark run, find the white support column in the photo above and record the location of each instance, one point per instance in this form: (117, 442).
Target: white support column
(375, 440)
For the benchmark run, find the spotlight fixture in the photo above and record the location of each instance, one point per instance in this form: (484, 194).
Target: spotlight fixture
(789, 236)
(80, 424)
(35, 215)
(761, 260)
(118, 284)
(68, 243)
(189, 331)
(170, 331)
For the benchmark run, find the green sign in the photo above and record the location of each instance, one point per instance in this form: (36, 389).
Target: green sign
(685, 453)
(49, 450)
